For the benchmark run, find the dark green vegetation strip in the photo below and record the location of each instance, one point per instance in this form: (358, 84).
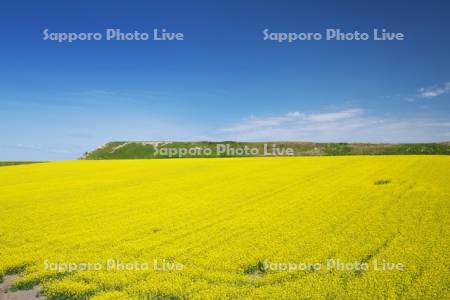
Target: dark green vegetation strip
(13, 163)
(137, 150)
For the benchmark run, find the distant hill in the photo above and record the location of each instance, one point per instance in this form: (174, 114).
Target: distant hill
(161, 149)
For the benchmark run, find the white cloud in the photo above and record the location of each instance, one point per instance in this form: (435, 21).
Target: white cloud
(434, 91)
(290, 118)
(351, 125)
(334, 116)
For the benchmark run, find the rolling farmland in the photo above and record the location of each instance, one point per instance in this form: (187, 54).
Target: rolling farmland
(345, 227)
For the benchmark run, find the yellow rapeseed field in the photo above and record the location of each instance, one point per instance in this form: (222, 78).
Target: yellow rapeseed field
(357, 227)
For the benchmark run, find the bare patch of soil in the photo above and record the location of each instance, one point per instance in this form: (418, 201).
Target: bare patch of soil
(7, 294)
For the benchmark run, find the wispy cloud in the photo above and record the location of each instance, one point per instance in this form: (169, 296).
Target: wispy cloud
(290, 119)
(350, 125)
(434, 91)
(334, 116)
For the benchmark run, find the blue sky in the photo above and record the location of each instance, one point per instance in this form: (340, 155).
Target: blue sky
(223, 81)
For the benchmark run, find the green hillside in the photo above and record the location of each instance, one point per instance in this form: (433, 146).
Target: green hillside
(153, 149)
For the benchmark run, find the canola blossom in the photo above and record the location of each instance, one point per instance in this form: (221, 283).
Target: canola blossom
(355, 227)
